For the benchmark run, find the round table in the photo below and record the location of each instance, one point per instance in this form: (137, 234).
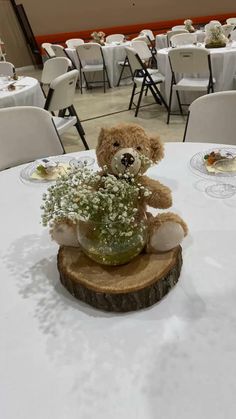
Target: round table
(27, 93)
(60, 358)
(113, 53)
(161, 39)
(223, 62)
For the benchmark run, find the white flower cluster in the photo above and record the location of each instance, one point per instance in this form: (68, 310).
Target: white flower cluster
(82, 194)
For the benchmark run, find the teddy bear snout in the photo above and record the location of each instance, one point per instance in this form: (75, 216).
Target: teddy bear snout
(127, 160)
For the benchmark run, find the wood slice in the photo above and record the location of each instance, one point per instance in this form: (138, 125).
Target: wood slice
(133, 286)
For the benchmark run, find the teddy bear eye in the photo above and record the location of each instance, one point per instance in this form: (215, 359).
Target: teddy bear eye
(139, 148)
(116, 144)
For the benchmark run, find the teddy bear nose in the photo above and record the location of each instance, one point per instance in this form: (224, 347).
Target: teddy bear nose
(127, 159)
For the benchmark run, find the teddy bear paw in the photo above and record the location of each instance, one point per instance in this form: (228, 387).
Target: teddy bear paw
(64, 235)
(169, 235)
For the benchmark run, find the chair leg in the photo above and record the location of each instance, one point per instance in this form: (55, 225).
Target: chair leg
(104, 80)
(160, 97)
(179, 103)
(186, 127)
(170, 100)
(139, 100)
(121, 74)
(78, 126)
(108, 81)
(132, 96)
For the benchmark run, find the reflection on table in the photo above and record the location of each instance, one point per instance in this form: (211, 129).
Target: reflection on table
(63, 359)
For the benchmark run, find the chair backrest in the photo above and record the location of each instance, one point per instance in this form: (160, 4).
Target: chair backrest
(48, 49)
(212, 119)
(148, 33)
(169, 34)
(227, 29)
(7, 69)
(29, 134)
(134, 62)
(53, 68)
(231, 21)
(73, 43)
(58, 50)
(183, 39)
(90, 53)
(142, 50)
(233, 35)
(143, 38)
(116, 37)
(190, 60)
(178, 27)
(61, 92)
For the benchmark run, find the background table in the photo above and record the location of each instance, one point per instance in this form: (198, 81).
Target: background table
(112, 53)
(29, 95)
(223, 62)
(60, 358)
(161, 39)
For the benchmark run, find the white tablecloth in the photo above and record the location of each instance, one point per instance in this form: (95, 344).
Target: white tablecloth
(223, 62)
(161, 39)
(62, 359)
(29, 95)
(112, 55)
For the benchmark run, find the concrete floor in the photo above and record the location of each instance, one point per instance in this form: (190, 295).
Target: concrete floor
(97, 109)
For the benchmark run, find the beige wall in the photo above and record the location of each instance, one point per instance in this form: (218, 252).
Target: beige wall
(55, 16)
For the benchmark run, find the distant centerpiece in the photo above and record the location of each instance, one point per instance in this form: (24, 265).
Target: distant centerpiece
(215, 37)
(188, 23)
(98, 37)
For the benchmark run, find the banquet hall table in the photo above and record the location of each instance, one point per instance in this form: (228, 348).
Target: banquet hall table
(60, 358)
(27, 93)
(113, 53)
(223, 62)
(161, 39)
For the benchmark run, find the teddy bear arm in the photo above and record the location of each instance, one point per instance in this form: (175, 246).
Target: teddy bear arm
(160, 194)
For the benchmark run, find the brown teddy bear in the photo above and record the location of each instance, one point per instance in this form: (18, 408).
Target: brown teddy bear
(121, 149)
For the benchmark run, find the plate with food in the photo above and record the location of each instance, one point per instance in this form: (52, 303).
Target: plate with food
(217, 162)
(45, 170)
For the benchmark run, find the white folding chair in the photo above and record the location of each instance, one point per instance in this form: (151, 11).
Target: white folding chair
(187, 64)
(169, 35)
(233, 35)
(74, 42)
(144, 79)
(178, 28)
(53, 68)
(91, 60)
(47, 47)
(148, 33)
(142, 50)
(183, 39)
(231, 21)
(60, 98)
(28, 133)
(116, 37)
(227, 29)
(58, 50)
(211, 118)
(7, 69)
(143, 38)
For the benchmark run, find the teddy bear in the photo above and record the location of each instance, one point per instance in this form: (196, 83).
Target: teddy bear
(121, 150)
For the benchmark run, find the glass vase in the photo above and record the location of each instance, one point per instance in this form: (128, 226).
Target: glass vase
(112, 243)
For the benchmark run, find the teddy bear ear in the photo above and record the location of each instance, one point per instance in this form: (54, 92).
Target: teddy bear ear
(103, 135)
(157, 149)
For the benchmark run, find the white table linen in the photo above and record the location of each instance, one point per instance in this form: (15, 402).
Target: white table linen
(29, 95)
(60, 358)
(161, 39)
(112, 53)
(223, 62)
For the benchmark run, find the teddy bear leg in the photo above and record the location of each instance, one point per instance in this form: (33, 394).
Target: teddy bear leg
(166, 232)
(65, 234)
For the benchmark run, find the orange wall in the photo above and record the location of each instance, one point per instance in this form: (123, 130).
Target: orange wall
(58, 16)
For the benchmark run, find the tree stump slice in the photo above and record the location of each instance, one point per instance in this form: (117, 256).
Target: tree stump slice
(140, 283)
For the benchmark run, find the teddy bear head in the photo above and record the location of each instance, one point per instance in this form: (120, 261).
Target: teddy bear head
(127, 148)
